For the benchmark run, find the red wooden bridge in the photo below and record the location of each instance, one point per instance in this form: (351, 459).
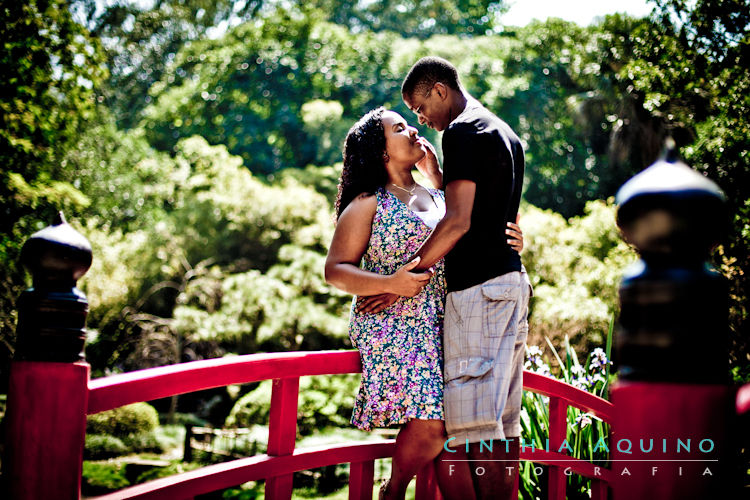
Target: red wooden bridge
(72, 396)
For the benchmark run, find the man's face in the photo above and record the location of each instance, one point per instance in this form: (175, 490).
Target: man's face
(431, 108)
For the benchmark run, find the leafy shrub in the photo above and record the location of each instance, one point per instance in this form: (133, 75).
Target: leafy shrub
(103, 446)
(143, 442)
(103, 477)
(575, 267)
(136, 418)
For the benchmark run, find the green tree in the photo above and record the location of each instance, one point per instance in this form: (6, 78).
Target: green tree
(248, 90)
(585, 136)
(140, 39)
(49, 66)
(416, 18)
(215, 231)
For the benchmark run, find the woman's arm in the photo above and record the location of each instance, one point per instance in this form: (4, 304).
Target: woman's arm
(349, 243)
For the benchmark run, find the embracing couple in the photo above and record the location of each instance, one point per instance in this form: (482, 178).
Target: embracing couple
(440, 313)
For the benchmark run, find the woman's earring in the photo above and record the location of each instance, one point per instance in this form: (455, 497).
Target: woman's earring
(386, 158)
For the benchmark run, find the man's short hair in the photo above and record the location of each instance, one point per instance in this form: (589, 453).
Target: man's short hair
(426, 73)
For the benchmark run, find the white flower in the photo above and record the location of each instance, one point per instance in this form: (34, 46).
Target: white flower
(599, 359)
(583, 420)
(577, 370)
(583, 382)
(534, 351)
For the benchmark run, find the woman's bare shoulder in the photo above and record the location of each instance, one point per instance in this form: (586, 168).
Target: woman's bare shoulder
(363, 206)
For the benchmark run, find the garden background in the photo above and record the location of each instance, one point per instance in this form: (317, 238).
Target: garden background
(197, 145)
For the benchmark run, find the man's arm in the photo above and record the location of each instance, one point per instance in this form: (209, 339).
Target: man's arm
(459, 202)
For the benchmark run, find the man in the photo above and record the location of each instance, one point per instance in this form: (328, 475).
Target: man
(488, 289)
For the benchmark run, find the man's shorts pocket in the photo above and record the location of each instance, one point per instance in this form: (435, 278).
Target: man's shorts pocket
(498, 304)
(470, 393)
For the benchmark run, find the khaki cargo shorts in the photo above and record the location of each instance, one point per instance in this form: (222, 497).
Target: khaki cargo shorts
(485, 334)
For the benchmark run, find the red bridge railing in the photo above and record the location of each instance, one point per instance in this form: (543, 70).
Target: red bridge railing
(282, 458)
(562, 395)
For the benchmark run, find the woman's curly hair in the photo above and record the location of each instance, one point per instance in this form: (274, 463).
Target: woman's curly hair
(364, 170)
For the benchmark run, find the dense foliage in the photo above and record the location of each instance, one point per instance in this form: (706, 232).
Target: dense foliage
(575, 267)
(48, 68)
(235, 265)
(142, 39)
(690, 69)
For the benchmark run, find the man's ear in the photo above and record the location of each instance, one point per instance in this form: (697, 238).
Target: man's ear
(441, 90)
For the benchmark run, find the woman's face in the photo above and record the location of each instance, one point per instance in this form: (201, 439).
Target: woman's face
(401, 140)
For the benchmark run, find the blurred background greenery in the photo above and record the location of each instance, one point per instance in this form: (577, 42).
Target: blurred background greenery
(197, 143)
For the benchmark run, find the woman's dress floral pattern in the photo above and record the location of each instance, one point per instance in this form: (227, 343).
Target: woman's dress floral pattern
(400, 347)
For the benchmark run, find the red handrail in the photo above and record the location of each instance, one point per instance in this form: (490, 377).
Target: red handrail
(574, 396)
(282, 459)
(155, 383)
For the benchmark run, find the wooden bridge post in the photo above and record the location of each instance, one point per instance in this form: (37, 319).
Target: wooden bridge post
(48, 392)
(558, 427)
(282, 433)
(672, 400)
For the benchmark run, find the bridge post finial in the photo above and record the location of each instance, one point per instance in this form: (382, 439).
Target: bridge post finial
(671, 345)
(48, 387)
(671, 298)
(52, 314)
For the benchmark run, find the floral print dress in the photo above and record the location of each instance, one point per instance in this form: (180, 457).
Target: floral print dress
(400, 347)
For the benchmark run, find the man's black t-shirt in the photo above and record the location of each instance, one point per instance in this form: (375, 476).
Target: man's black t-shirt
(480, 147)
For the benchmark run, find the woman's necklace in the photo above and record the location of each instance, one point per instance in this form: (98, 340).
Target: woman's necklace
(410, 191)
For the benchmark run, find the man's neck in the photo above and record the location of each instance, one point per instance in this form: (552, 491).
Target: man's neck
(459, 100)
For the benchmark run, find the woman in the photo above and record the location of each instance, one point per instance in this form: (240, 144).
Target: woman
(383, 216)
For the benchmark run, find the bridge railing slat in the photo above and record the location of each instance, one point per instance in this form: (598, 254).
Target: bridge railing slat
(558, 423)
(361, 477)
(282, 432)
